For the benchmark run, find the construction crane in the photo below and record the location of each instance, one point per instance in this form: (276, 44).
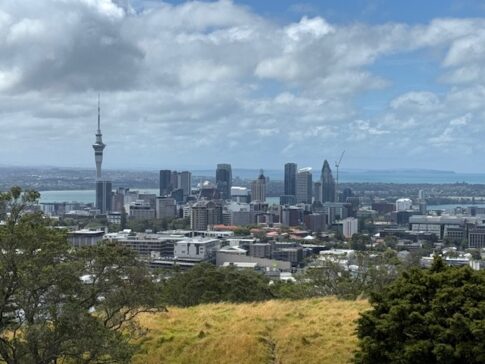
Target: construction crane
(337, 165)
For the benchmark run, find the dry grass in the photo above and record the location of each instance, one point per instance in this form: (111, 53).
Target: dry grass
(284, 332)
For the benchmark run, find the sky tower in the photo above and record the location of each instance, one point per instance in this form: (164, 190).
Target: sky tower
(98, 146)
(103, 187)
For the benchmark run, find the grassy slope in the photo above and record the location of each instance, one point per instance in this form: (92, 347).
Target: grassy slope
(285, 332)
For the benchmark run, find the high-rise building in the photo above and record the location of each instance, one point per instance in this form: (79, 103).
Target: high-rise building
(258, 188)
(104, 196)
(304, 185)
(205, 214)
(166, 207)
(171, 181)
(103, 187)
(328, 183)
(317, 191)
(290, 179)
(403, 204)
(165, 182)
(185, 183)
(224, 180)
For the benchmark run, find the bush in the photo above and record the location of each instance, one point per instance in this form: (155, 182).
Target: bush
(426, 316)
(206, 283)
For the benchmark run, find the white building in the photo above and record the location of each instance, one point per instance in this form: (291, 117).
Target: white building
(197, 249)
(350, 226)
(239, 194)
(403, 204)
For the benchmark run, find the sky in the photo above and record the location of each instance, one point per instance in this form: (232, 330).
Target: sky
(395, 84)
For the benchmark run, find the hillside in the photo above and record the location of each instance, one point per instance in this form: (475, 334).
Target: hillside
(306, 331)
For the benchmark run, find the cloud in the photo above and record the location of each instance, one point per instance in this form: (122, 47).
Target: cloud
(198, 79)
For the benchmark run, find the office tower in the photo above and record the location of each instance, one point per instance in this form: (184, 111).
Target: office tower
(328, 183)
(174, 180)
(165, 182)
(304, 185)
(205, 214)
(258, 188)
(166, 207)
(103, 187)
(185, 183)
(224, 181)
(317, 192)
(290, 179)
(171, 181)
(118, 201)
(103, 196)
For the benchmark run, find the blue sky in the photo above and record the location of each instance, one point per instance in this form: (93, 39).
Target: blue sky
(253, 83)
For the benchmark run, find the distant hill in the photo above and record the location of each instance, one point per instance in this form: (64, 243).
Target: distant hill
(307, 331)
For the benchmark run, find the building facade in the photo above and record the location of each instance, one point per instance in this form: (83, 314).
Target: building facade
(224, 180)
(290, 179)
(258, 188)
(304, 186)
(328, 193)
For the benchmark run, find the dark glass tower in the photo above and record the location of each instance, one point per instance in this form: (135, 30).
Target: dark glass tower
(290, 179)
(328, 183)
(224, 181)
(165, 182)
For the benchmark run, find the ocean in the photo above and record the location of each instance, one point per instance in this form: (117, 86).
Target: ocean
(346, 176)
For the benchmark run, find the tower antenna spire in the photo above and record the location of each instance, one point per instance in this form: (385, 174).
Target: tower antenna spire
(99, 115)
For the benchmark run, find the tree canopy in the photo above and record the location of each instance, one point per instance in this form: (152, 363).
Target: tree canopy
(426, 316)
(206, 283)
(57, 302)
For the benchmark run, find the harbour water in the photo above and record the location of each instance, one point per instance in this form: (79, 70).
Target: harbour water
(88, 196)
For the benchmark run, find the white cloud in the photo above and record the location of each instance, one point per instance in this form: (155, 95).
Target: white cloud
(200, 77)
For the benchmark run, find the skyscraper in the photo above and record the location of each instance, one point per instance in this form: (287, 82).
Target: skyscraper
(185, 183)
(258, 188)
(290, 179)
(224, 180)
(304, 185)
(165, 182)
(328, 183)
(317, 191)
(103, 187)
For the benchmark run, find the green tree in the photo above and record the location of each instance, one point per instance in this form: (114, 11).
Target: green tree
(426, 316)
(359, 242)
(206, 283)
(57, 302)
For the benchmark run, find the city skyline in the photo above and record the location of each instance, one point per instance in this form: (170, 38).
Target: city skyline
(395, 88)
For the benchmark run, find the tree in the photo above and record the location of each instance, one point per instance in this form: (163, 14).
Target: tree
(206, 283)
(391, 241)
(426, 316)
(359, 242)
(351, 279)
(57, 302)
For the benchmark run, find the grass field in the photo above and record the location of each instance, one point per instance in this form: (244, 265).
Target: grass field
(284, 332)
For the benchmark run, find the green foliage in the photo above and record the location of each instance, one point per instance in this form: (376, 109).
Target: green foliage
(359, 242)
(391, 241)
(242, 231)
(426, 316)
(47, 312)
(366, 273)
(158, 224)
(206, 283)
